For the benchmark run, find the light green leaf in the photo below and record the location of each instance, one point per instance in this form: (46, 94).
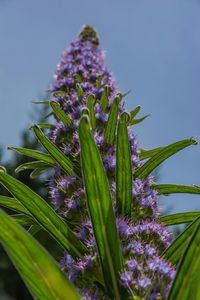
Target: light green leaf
(60, 114)
(143, 154)
(180, 218)
(112, 122)
(44, 214)
(23, 220)
(80, 92)
(60, 94)
(35, 154)
(90, 105)
(100, 208)
(41, 102)
(134, 112)
(64, 162)
(123, 168)
(186, 283)
(161, 156)
(46, 125)
(166, 189)
(38, 269)
(176, 249)
(137, 121)
(13, 204)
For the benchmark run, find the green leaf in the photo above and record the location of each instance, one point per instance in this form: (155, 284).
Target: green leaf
(176, 249)
(33, 165)
(149, 153)
(161, 156)
(180, 218)
(34, 229)
(80, 92)
(134, 112)
(44, 214)
(23, 220)
(100, 208)
(36, 173)
(78, 78)
(112, 122)
(38, 269)
(13, 204)
(186, 283)
(104, 98)
(90, 105)
(60, 114)
(123, 168)
(137, 121)
(41, 102)
(166, 189)
(35, 154)
(60, 94)
(46, 125)
(64, 162)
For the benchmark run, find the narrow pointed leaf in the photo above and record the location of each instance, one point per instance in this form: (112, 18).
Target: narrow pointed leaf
(13, 204)
(42, 102)
(64, 162)
(149, 153)
(134, 112)
(176, 249)
(35, 154)
(123, 168)
(34, 229)
(38, 269)
(46, 125)
(23, 220)
(90, 105)
(44, 214)
(80, 92)
(166, 189)
(36, 173)
(60, 94)
(137, 121)
(180, 218)
(112, 122)
(186, 283)
(100, 208)
(33, 165)
(104, 99)
(60, 114)
(161, 156)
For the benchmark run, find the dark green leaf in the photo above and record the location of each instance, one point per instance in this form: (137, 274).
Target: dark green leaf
(137, 121)
(149, 153)
(44, 214)
(104, 98)
(161, 156)
(134, 112)
(176, 249)
(166, 189)
(100, 208)
(60, 114)
(39, 271)
(123, 168)
(42, 102)
(186, 283)
(112, 122)
(35, 154)
(90, 105)
(33, 165)
(23, 220)
(46, 125)
(64, 162)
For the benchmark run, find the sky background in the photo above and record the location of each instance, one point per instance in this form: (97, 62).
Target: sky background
(152, 48)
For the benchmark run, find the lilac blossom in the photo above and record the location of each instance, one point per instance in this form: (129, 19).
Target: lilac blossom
(82, 72)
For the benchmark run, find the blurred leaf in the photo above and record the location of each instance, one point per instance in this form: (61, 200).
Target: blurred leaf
(123, 168)
(104, 98)
(90, 105)
(134, 112)
(112, 122)
(60, 114)
(13, 204)
(35, 154)
(35, 228)
(60, 94)
(33, 165)
(176, 249)
(64, 162)
(46, 125)
(166, 189)
(100, 208)
(80, 92)
(180, 218)
(186, 283)
(161, 156)
(39, 271)
(42, 102)
(23, 220)
(44, 214)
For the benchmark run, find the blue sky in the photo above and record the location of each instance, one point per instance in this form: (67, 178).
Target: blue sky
(152, 48)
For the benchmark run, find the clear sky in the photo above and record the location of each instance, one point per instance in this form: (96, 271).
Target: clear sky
(153, 49)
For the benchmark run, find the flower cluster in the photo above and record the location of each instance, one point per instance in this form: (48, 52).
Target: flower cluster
(82, 73)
